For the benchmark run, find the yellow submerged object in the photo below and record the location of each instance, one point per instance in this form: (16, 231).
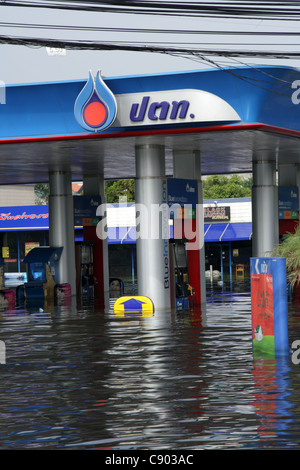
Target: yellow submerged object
(133, 305)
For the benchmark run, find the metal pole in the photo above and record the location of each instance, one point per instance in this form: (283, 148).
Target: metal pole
(93, 185)
(19, 261)
(152, 244)
(264, 208)
(221, 251)
(61, 225)
(132, 269)
(230, 267)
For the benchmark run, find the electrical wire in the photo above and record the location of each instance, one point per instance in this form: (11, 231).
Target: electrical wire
(142, 31)
(93, 45)
(171, 5)
(230, 9)
(148, 30)
(214, 56)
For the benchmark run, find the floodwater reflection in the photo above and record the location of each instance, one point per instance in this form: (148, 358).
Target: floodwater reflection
(79, 378)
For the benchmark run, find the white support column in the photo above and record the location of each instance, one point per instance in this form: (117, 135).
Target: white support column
(200, 215)
(61, 225)
(264, 208)
(152, 245)
(187, 165)
(93, 185)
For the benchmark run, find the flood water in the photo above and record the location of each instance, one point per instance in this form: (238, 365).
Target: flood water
(78, 378)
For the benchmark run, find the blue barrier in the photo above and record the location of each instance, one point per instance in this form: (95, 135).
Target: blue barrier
(269, 305)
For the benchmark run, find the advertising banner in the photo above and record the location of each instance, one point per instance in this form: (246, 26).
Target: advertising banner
(85, 208)
(288, 202)
(216, 214)
(269, 305)
(24, 218)
(184, 194)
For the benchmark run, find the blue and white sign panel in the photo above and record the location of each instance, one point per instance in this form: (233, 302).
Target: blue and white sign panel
(85, 208)
(184, 194)
(288, 199)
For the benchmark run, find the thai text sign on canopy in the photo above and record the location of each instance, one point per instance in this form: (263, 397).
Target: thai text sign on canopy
(269, 305)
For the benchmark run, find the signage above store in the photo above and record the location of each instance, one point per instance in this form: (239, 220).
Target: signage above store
(85, 208)
(216, 214)
(288, 198)
(172, 107)
(182, 198)
(97, 108)
(24, 218)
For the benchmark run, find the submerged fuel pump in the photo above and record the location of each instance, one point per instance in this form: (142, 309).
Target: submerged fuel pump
(85, 269)
(184, 292)
(181, 275)
(42, 273)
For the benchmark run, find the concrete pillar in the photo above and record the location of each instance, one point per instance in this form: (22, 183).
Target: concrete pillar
(264, 208)
(93, 185)
(187, 165)
(61, 225)
(152, 245)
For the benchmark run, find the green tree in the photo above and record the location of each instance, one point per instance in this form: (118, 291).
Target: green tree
(222, 187)
(41, 191)
(289, 249)
(115, 190)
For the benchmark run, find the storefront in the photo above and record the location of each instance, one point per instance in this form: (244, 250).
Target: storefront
(227, 236)
(226, 243)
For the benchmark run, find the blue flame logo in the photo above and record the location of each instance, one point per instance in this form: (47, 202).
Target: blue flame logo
(95, 108)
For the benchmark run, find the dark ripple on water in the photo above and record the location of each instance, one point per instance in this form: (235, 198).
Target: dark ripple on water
(77, 378)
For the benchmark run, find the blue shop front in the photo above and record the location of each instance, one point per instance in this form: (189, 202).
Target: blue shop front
(227, 242)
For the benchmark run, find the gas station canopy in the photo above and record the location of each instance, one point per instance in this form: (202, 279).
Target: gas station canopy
(232, 116)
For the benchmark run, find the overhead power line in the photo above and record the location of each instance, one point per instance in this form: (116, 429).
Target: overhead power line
(148, 30)
(287, 10)
(198, 49)
(104, 46)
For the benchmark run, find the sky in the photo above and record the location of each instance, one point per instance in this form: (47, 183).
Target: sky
(23, 64)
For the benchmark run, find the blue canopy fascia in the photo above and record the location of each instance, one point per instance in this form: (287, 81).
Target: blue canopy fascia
(227, 232)
(212, 233)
